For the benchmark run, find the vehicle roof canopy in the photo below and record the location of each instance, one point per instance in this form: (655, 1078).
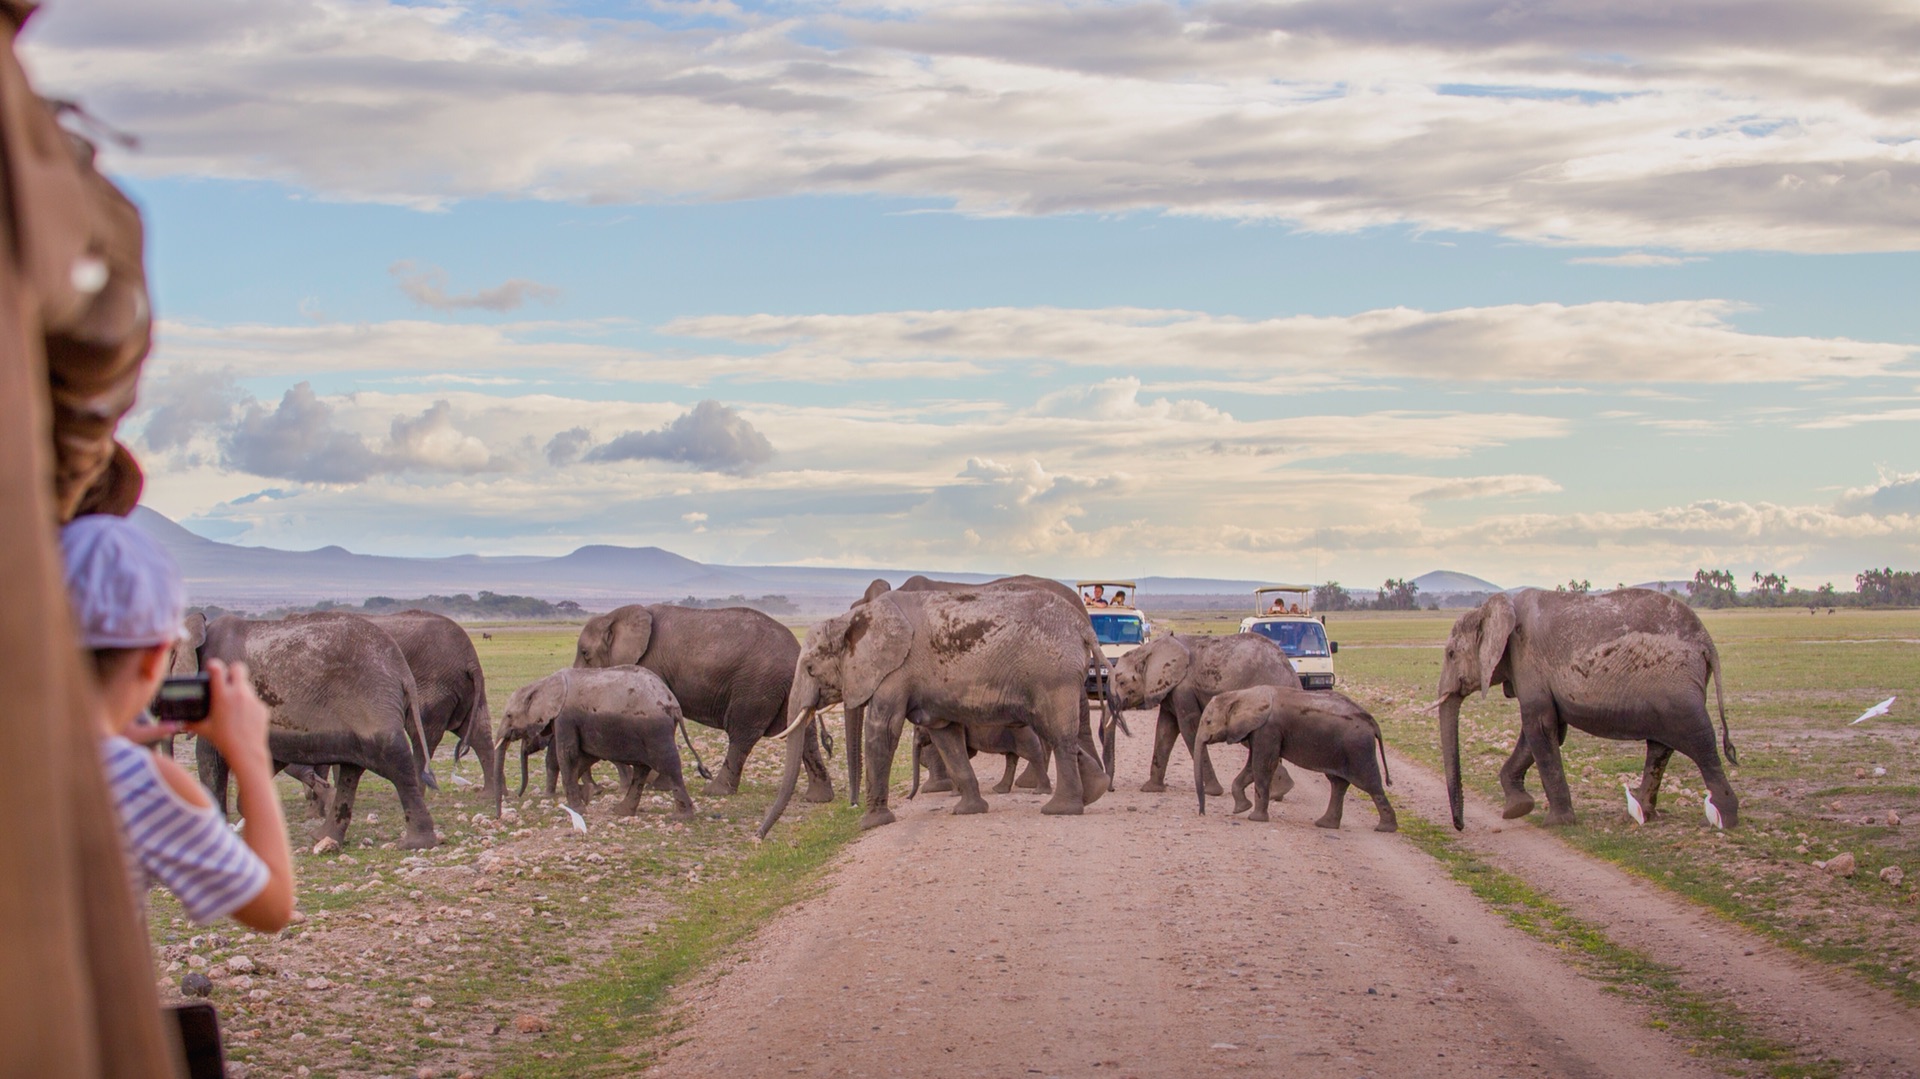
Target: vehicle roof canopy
(1265, 588)
(1109, 584)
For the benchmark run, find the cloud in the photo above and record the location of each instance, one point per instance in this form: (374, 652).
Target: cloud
(1487, 487)
(297, 440)
(566, 447)
(180, 406)
(1737, 125)
(1635, 260)
(430, 442)
(427, 286)
(1897, 492)
(712, 438)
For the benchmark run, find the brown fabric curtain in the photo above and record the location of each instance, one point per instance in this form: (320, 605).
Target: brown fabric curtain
(77, 995)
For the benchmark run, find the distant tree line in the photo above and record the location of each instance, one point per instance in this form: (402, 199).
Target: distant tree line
(764, 604)
(487, 605)
(1717, 588)
(1394, 595)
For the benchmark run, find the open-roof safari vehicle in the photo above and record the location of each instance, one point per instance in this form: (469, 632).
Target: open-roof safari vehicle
(1113, 608)
(1281, 615)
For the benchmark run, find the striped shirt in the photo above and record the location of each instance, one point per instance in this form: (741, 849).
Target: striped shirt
(185, 848)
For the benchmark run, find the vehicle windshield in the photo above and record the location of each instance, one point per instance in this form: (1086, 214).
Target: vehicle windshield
(1119, 628)
(1296, 639)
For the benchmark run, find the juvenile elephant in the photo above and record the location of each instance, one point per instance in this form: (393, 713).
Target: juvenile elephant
(339, 692)
(624, 715)
(937, 778)
(1016, 744)
(1630, 665)
(947, 660)
(729, 668)
(1319, 730)
(1180, 674)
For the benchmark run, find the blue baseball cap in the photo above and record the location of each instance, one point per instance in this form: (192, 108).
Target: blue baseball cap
(125, 588)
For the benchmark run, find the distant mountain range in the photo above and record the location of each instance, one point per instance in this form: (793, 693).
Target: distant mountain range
(598, 577)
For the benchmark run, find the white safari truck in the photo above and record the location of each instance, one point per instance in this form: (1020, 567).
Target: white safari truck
(1280, 614)
(1121, 628)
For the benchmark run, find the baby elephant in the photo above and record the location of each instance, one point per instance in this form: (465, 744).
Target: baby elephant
(625, 715)
(1321, 730)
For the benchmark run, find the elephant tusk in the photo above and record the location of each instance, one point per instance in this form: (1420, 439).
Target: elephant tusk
(1434, 708)
(805, 717)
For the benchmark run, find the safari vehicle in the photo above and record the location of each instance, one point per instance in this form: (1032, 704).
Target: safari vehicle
(1120, 628)
(1280, 615)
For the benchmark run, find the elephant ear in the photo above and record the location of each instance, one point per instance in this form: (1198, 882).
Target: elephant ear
(1496, 625)
(186, 651)
(628, 634)
(878, 588)
(1251, 710)
(877, 641)
(1168, 661)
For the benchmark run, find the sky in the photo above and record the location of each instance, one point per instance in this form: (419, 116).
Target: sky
(1325, 289)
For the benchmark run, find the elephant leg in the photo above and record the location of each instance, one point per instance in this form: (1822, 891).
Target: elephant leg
(213, 772)
(1699, 747)
(1543, 730)
(1650, 776)
(951, 741)
(854, 720)
(1262, 789)
(740, 740)
(1042, 783)
(319, 792)
(1081, 778)
(1188, 713)
(1240, 803)
(819, 782)
(346, 788)
(1389, 820)
(881, 738)
(1005, 786)
(1336, 803)
(1165, 730)
(939, 779)
(1513, 780)
(553, 770)
(402, 770)
(1282, 780)
(677, 780)
(636, 786)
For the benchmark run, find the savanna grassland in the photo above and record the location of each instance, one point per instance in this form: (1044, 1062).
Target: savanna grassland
(1811, 787)
(523, 948)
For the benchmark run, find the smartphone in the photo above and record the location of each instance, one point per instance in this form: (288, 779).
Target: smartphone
(183, 699)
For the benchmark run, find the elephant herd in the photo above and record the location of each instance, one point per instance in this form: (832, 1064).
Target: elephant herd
(1001, 667)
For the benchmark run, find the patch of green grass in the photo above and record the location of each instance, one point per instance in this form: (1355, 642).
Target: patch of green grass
(1711, 1025)
(606, 1014)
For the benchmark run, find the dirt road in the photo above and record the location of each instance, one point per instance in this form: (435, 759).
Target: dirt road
(1143, 940)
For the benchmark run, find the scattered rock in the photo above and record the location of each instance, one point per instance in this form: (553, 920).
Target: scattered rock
(327, 845)
(243, 981)
(297, 919)
(259, 995)
(424, 1072)
(196, 984)
(316, 984)
(196, 961)
(1841, 865)
(529, 1023)
(237, 1070)
(422, 1002)
(1893, 819)
(240, 964)
(1893, 875)
(1859, 773)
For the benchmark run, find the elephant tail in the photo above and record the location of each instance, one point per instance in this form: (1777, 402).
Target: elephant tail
(915, 789)
(1718, 674)
(416, 734)
(699, 765)
(1381, 741)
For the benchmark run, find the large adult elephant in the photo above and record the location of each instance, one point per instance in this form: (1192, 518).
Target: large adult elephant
(937, 778)
(453, 687)
(946, 660)
(1630, 665)
(1179, 674)
(729, 668)
(339, 692)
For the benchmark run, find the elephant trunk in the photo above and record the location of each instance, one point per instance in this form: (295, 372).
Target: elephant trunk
(1450, 757)
(796, 749)
(1199, 774)
(498, 762)
(526, 750)
(856, 719)
(480, 737)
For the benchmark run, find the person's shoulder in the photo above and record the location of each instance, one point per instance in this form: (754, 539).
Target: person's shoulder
(184, 786)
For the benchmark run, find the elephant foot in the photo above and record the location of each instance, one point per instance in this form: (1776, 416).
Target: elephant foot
(1387, 824)
(1043, 787)
(1027, 781)
(874, 818)
(1094, 787)
(1061, 807)
(1240, 803)
(1559, 817)
(1214, 789)
(1153, 786)
(937, 786)
(681, 815)
(819, 793)
(1328, 822)
(417, 841)
(1519, 804)
(625, 810)
(1259, 816)
(1002, 787)
(965, 806)
(722, 787)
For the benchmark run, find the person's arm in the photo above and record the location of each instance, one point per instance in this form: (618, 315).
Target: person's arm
(236, 724)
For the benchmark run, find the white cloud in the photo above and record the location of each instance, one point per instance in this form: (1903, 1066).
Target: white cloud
(1635, 260)
(1487, 487)
(427, 286)
(1735, 125)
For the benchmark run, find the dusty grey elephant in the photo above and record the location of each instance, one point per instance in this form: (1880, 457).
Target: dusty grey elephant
(1179, 674)
(624, 715)
(937, 778)
(1630, 665)
(729, 668)
(1016, 744)
(947, 660)
(453, 693)
(1316, 729)
(339, 692)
